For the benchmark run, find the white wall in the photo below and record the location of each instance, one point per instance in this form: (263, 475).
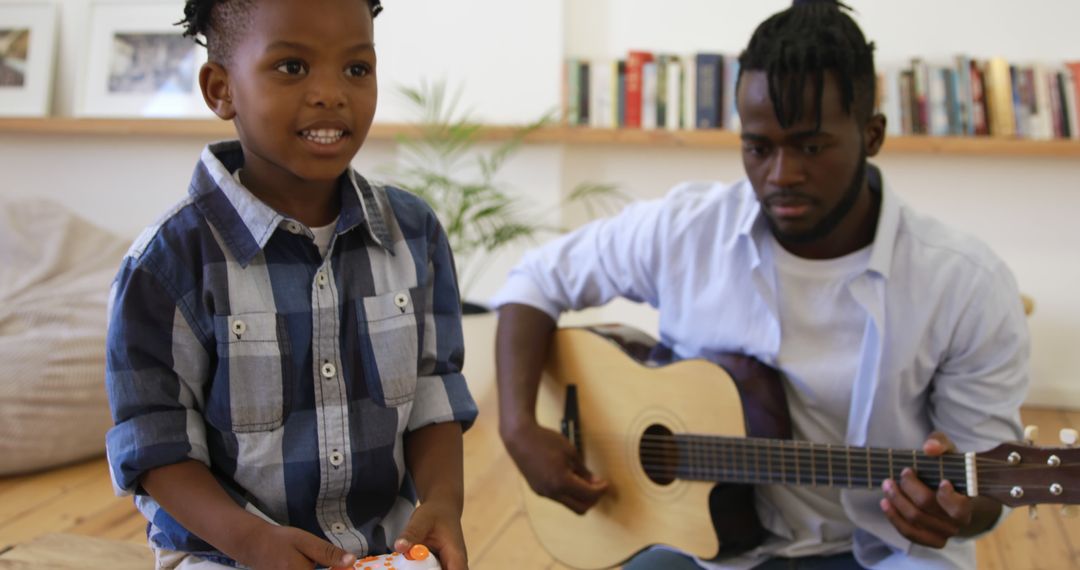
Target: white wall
(507, 55)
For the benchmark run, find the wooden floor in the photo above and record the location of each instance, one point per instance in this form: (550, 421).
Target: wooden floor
(78, 500)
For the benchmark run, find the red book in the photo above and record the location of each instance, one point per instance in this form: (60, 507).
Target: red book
(635, 60)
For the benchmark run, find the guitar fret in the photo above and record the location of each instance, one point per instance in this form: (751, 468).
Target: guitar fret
(828, 458)
(813, 465)
(798, 475)
(716, 463)
(869, 473)
(768, 460)
(891, 472)
(848, 452)
(757, 462)
(744, 471)
(733, 461)
(698, 456)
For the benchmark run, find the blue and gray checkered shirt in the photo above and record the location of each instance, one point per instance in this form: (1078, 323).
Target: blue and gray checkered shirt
(292, 376)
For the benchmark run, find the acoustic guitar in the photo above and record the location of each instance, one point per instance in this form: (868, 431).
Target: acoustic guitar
(683, 442)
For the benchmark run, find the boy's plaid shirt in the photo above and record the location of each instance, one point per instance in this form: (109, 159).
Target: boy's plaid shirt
(293, 377)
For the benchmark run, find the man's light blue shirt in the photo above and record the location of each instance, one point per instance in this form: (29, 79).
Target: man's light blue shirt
(945, 346)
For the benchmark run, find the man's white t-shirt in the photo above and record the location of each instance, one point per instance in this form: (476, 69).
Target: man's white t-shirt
(821, 330)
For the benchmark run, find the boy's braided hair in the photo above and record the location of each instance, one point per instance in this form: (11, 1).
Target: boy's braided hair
(801, 44)
(222, 21)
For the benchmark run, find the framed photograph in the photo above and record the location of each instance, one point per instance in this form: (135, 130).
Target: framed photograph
(138, 64)
(27, 49)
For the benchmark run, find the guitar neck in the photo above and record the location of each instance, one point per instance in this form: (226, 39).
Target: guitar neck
(789, 462)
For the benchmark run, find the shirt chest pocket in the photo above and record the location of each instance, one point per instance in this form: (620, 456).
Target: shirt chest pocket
(250, 391)
(390, 331)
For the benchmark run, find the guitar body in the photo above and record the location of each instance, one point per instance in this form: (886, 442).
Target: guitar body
(672, 437)
(619, 400)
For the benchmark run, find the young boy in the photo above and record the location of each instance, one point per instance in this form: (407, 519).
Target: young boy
(285, 346)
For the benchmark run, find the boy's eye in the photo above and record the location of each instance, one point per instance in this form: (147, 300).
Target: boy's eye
(357, 70)
(292, 67)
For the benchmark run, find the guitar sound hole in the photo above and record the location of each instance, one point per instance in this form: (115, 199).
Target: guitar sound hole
(659, 454)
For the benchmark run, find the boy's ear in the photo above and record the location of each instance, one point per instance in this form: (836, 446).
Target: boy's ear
(214, 81)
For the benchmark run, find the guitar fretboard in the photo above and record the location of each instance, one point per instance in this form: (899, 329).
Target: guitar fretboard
(788, 462)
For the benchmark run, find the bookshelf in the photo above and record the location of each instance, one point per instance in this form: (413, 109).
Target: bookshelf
(716, 139)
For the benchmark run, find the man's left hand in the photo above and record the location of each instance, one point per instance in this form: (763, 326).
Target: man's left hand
(926, 516)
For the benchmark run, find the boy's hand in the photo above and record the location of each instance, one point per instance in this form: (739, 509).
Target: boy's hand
(437, 526)
(289, 548)
(926, 516)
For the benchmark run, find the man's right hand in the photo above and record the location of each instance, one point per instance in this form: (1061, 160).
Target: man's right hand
(553, 467)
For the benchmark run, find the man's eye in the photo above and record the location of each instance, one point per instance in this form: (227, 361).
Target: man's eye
(357, 70)
(292, 67)
(811, 149)
(755, 150)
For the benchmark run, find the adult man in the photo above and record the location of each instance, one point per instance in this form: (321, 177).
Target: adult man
(891, 330)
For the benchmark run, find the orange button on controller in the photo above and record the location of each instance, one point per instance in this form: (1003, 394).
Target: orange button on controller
(418, 552)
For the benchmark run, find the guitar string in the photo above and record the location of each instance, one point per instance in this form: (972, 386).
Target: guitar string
(803, 454)
(803, 447)
(805, 475)
(952, 465)
(856, 478)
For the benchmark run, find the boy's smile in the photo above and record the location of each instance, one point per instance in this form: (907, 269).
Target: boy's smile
(301, 89)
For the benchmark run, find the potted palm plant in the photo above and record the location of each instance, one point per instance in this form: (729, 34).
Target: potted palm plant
(441, 162)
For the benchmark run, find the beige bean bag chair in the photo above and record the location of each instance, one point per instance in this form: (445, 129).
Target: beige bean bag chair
(55, 274)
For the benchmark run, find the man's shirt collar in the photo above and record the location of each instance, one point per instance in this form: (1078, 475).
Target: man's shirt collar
(881, 250)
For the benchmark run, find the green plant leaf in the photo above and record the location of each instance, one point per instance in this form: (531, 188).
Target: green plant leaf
(441, 163)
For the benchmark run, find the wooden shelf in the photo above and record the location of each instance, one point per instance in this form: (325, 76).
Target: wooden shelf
(214, 129)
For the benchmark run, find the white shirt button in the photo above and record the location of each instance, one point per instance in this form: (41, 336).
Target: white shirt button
(293, 227)
(338, 528)
(401, 300)
(336, 458)
(239, 327)
(329, 370)
(321, 279)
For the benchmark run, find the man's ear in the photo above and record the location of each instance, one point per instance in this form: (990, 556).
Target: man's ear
(214, 81)
(874, 134)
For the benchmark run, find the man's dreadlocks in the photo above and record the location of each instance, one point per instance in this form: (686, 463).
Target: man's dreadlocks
(803, 42)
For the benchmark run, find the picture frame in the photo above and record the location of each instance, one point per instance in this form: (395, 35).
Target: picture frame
(138, 64)
(27, 58)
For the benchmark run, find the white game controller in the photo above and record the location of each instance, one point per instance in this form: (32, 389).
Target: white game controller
(417, 558)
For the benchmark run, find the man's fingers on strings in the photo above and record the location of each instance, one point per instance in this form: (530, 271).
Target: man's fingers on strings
(913, 514)
(922, 496)
(938, 443)
(956, 505)
(909, 530)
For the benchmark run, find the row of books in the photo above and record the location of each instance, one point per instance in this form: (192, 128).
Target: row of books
(969, 97)
(652, 91)
(990, 97)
